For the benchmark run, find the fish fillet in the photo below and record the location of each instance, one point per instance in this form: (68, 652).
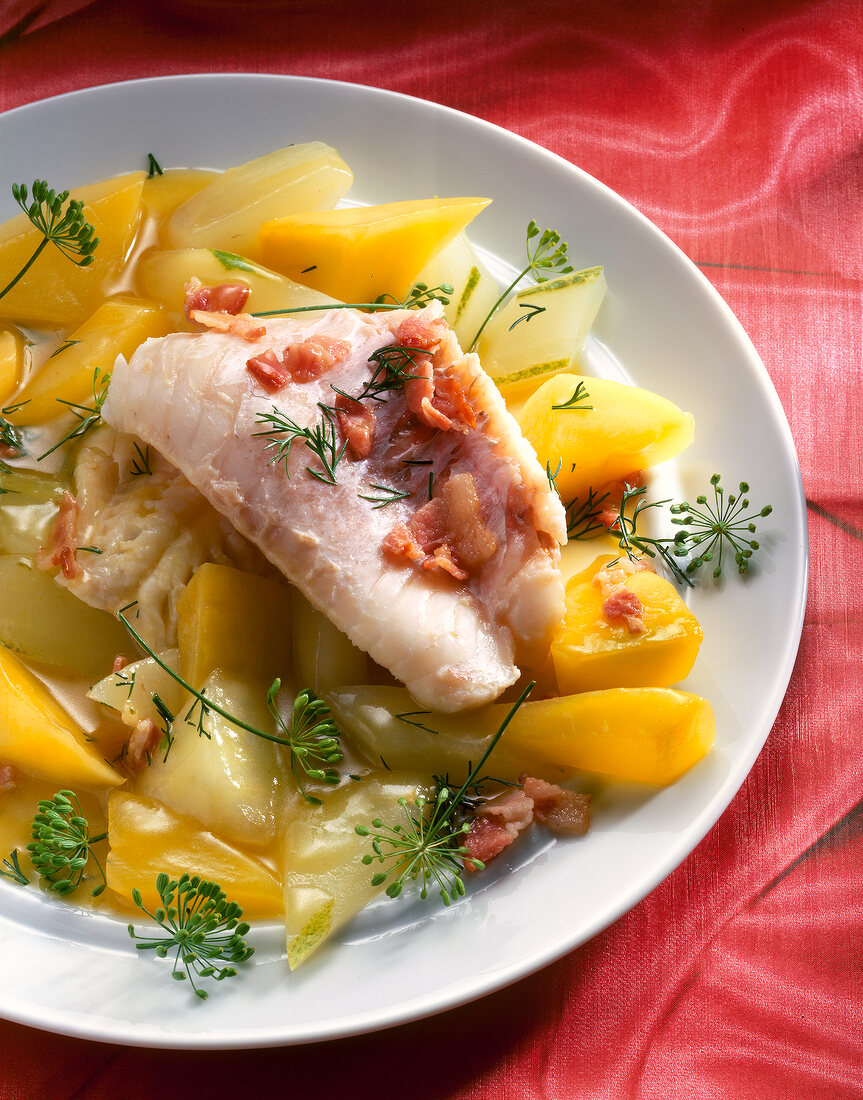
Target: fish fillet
(455, 643)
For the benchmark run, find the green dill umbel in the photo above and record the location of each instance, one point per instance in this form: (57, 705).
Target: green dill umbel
(201, 927)
(88, 416)
(717, 524)
(61, 222)
(62, 847)
(428, 843)
(321, 439)
(311, 736)
(546, 257)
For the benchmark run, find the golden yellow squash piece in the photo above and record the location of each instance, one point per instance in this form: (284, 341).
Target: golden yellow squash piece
(116, 328)
(626, 430)
(592, 652)
(39, 737)
(55, 292)
(12, 347)
(146, 838)
(234, 621)
(360, 253)
(163, 194)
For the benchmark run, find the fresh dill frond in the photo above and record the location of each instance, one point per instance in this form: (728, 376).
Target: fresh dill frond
(13, 870)
(635, 544)
(66, 344)
(572, 403)
(89, 549)
(428, 844)
(552, 477)
(66, 228)
(312, 736)
(532, 311)
(202, 928)
(6, 471)
(419, 295)
(717, 524)
(321, 439)
(153, 167)
(88, 416)
(141, 465)
(10, 437)
(583, 517)
(62, 846)
(546, 257)
(393, 366)
(409, 718)
(383, 495)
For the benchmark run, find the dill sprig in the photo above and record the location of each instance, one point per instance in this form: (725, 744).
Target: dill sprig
(62, 847)
(409, 716)
(5, 471)
(552, 477)
(419, 295)
(428, 843)
(153, 167)
(311, 737)
(572, 403)
(66, 228)
(546, 256)
(583, 517)
(141, 465)
(13, 870)
(636, 544)
(383, 495)
(88, 416)
(393, 365)
(201, 927)
(719, 523)
(66, 344)
(321, 439)
(10, 437)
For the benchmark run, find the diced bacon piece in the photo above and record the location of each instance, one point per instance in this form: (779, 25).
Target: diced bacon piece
(625, 607)
(451, 401)
(486, 839)
(243, 324)
(443, 559)
(561, 811)
(356, 423)
(308, 359)
(400, 543)
(224, 298)
(120, 663)
(62, 541)
(514, 809)
(429, 525)
(7, 778)
(267, 369)
(420, 331)
(142, 744)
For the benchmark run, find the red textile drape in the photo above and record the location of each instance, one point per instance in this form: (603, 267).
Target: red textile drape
(739, 133)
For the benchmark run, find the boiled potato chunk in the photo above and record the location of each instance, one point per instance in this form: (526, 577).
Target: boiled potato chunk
(227, 778)
(116, 328)
(626, 430)
(55, 292)
(164, 275)
(147, 838)
(39, 737)
(130, 691)
(28, 508)
(12, 358)
(324, 658)
(359, 253)
(649, 735)
(162, 194)
(49, 625)
(475, 290)
(325, 880)
(236, 622)
(229, 212)
(591, 652)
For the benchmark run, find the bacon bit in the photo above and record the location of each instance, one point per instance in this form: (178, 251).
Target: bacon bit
(356, 424)
(310, 358)
(7, 778)
(451, 401)
(625, 606)
(120, 663)
(224, 298)
(471, 540)
(561, 811)
(486, 839)
(243, 324)
(417, 332)
(142, 744)
(267, 369)
(400, 543)
(429, 525)
(514, 809)
(62, 541)
(444, 560)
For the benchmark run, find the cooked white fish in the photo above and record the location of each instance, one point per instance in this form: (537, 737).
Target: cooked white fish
(417, 518)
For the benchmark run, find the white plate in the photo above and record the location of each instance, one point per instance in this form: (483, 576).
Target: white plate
(664, 327)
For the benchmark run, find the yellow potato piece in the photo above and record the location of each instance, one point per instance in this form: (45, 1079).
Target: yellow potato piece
(234, 621)
(627, 429)
(12, 347)
(324, 657)
(39, 737)
(147, 838)
(116, 328)
(163, 194)
(55, 292)
(591, 653)
(360, 253)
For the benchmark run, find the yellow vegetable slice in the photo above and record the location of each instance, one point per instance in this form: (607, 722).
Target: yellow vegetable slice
(649, 735)
(591, 653)
(521, 347)
(324, 657)
(39, 737)
(12, 345)
(164, 275)
(147, 838)
(362, 252)
(55, 292)
(626, 430)
(229, 212)
(162, 194)
(116, 328)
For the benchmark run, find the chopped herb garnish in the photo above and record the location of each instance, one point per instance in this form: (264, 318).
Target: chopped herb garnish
(321, 439)
(532, 311)
(153, 167)
(572, 403)
(383, 496)
(419, 296)
(409, 718)
(141, 464)
(63, 346)
(89, 416)
(13, 870)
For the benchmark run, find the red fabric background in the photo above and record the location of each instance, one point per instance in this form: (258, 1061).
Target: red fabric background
(739, 133)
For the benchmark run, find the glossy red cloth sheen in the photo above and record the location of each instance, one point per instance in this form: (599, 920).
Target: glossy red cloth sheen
(738, 134)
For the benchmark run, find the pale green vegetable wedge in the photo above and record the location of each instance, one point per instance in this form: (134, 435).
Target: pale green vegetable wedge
(540, 331)
(324, 658)
(325, 880)
(28, 507)
(229, 212)
(475, 290)
(130, 691)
